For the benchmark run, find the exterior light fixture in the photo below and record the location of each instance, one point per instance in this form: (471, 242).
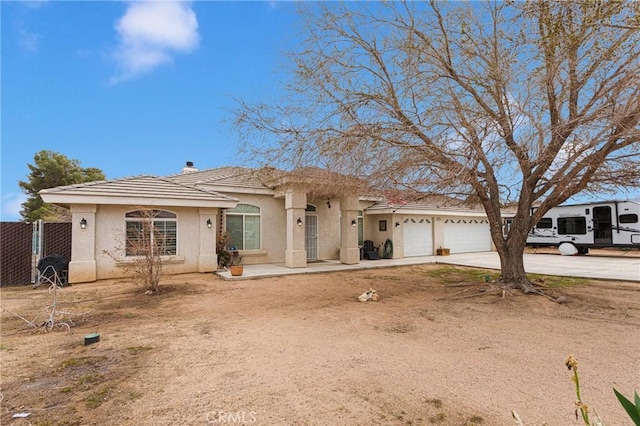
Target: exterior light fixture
(354, 223)
(299, 221)
(328, 203)
(83, 223)
(397, 224)
(209, 224)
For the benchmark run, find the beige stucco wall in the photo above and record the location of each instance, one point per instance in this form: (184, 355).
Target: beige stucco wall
(82, 267)
(196, 242)
(393, 232)
(373, 233)
(274, 232)
(98, 250)
(397, 234)
(438, 233)
(328, 228)
(273, 237)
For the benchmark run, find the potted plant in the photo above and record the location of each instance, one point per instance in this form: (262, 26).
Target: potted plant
(235, 264)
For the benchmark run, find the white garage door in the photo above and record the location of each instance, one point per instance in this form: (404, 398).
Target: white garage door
(418, 237)
(464, 235)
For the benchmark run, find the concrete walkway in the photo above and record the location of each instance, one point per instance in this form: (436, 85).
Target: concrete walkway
(590, 266)
(278, 269)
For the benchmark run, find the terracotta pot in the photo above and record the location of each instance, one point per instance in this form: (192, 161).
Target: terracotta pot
(237, 270)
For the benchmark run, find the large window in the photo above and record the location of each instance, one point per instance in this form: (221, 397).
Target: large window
(572, 225)
(360, 227)
(151, 232)
(243, 227)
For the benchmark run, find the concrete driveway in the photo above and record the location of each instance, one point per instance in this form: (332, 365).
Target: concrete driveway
(589, 266)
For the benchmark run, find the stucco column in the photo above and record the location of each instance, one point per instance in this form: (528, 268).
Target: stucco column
(82, 267)
(208, 258)
(349, 250)
(438, 233)
(295, 203)
(397, 236)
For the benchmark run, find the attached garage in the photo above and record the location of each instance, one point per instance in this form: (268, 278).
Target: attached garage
(467, 235)
(418, 236)
(419, 228)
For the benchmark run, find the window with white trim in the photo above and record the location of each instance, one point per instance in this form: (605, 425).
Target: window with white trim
(243, 227)
(151, 232)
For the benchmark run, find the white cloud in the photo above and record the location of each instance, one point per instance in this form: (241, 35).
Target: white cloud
(34, 4)
(29, 41)
(11, 206)
(150, 33)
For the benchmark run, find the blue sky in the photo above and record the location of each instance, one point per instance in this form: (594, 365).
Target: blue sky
(133, 88)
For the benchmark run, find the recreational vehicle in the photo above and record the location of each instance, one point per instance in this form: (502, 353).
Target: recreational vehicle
(576, 228)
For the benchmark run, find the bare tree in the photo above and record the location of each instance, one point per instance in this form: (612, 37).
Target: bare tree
(527, 103)
(56, 317)
(148, 244)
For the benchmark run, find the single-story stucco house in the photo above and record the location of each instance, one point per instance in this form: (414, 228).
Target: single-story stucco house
(270, 218)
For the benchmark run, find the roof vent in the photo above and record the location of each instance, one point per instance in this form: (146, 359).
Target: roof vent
(189, 168)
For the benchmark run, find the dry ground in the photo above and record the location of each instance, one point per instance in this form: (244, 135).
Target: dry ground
(301, 350)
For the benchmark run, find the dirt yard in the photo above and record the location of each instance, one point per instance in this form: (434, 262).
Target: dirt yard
(302, 350)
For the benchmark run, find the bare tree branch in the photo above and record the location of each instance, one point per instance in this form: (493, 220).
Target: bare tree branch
(499, 102)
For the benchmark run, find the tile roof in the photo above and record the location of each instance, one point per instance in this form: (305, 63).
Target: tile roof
(224, 176)
(138, 187)
(265, 180)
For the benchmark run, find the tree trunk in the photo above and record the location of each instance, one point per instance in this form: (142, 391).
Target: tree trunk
(510, 248)
(512, 269)
(513, 275)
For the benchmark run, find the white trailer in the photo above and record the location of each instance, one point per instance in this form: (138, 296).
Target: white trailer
(579, 227)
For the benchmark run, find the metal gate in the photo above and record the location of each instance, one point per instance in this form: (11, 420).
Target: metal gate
(311, 237)
(24, 244)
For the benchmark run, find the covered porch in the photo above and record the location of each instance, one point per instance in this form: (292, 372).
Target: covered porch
(304, 192)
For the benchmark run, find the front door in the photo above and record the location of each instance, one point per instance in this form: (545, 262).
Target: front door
(602, 225)
(311, 237)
